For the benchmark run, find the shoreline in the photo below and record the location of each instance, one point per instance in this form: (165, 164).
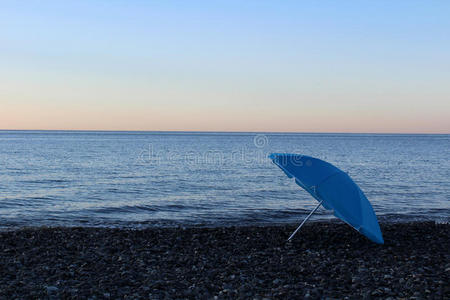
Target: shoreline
(230, 224)
(325, 259)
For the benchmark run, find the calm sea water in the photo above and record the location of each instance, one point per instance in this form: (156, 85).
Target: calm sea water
(133, 179)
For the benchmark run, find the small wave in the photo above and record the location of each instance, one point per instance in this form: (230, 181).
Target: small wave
(122, 209)
(124, 191)
(45, 181)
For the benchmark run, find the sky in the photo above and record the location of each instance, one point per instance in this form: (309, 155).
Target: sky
(289, 66)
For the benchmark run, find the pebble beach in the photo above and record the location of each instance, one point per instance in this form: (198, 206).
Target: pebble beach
(325, 260)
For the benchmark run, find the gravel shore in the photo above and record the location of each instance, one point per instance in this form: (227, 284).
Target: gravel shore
(325, 260)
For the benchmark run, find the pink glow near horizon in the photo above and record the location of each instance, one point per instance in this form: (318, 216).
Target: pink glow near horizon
(78, 119)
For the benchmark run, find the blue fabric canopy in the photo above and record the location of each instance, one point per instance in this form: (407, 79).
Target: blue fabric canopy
(334, 188)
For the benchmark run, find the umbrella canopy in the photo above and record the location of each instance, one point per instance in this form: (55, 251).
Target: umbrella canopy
(334, 189)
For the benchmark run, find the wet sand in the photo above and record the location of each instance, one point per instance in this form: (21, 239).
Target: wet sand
(323, 260)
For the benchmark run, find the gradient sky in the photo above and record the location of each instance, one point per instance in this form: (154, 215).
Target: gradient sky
(317, 66)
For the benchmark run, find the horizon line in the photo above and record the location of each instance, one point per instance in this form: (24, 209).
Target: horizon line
(230, 131)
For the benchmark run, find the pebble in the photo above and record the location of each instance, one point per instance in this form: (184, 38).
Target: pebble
(51, 290)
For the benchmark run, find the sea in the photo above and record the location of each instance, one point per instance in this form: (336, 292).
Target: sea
(146, 179)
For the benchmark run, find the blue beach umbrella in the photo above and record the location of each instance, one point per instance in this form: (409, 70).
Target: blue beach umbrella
(334, 190)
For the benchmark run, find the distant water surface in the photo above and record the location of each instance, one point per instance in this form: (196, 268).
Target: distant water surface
(134, 179)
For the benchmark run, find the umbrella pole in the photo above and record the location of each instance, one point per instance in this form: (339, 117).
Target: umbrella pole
(306, 219)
